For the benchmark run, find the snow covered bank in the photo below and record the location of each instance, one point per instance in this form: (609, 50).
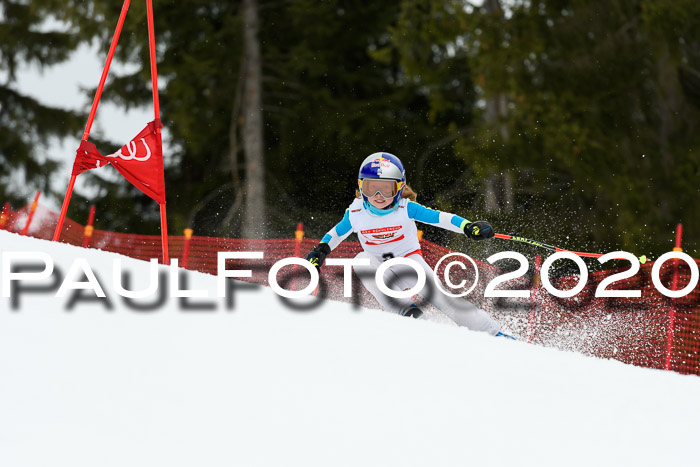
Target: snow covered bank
(265, 385)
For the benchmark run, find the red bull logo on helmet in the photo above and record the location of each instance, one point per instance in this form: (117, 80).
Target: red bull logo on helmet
(381, 162)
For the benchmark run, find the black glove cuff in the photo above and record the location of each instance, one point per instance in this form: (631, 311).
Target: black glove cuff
(323, 248)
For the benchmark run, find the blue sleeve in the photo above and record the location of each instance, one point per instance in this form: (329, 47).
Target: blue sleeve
(445, 220)
(458, 221)
(420, 213)
(338, 233)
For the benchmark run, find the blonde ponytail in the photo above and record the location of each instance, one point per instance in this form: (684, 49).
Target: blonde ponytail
(409, 193)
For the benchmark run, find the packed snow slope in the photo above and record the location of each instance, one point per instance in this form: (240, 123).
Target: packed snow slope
(265, 384)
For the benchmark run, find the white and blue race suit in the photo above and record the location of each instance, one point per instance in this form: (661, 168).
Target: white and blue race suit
(392, 233)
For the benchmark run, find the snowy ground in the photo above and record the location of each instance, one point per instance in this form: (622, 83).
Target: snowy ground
(266, 385)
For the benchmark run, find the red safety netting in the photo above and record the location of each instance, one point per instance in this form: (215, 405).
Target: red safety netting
(651, 331)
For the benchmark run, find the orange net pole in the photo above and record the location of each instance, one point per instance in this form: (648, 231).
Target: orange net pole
(87, 233)
(4, 216)
(186, 247)
(32, 210)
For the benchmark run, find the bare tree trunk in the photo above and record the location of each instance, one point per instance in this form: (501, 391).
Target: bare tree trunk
(254, 217)
(498, 188)
(493, 6)
(669, 105)
(508, 192)
(490, 196)
(236, 121)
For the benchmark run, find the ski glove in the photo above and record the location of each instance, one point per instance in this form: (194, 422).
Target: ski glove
(479, 230)
(318, 255)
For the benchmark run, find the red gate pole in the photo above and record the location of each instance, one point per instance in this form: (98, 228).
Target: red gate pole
(156, 111)
(32, 210)
(186, 248)
(674, 286)
(5, 215)
(533, 297)
(91, 118)
(89, 228)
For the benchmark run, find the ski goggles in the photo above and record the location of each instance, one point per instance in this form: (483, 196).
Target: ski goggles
(387, 188)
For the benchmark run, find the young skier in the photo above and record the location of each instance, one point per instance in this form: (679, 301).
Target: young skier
(384, 220)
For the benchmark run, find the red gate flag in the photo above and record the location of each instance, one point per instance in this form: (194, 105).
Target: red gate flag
(140, 161)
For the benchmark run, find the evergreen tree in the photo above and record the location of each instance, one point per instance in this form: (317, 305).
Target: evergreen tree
(27, 126)
(580, 114)
(601, 100)
(340, 94)
(326, 101)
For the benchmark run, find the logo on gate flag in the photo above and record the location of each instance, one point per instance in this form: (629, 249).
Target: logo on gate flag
(134, 151)
(140, 161)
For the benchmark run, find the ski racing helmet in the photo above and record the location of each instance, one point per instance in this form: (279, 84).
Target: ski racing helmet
(382, 166)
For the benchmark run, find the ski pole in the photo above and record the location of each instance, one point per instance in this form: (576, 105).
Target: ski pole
(642, 259)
